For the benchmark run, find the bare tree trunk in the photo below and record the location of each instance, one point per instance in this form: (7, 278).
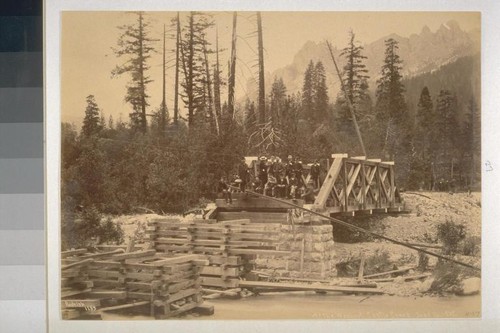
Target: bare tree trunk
(213, 118)
(217, 79)
(176, 93)
(262, 92)
(144, 125)
(189, 78)
(163, 115)
(232, 73)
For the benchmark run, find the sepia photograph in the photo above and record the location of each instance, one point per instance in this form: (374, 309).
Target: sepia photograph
(251, 165)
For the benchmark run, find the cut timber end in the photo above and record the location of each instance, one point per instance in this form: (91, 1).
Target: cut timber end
(204, 309)
(362, 158)
(388, 162)
(340, 155)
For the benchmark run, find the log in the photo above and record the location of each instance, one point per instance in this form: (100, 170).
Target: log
(300, 287)
(361, 267)
(131, 255)
(124, 306)
(76, 264)
(401, 270)
(70, 253)
(405, 278)
(108, 294)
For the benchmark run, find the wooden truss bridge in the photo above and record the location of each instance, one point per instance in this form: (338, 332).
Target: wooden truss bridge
(358, 185)
(349, 186)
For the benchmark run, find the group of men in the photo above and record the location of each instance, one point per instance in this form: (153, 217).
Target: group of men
(275, 178)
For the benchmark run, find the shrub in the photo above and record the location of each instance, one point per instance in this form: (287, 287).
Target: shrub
(446, 277)
(88, 228)
(471, 246)
(377, 263)
(451, 234)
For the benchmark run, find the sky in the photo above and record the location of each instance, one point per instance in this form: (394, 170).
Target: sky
(87, 58)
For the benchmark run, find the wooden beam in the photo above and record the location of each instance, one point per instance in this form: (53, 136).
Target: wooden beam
(329, 181)
(70, 253)
(77, 264)
(302, 287)
(124, 306)
(401, 270)
(136, 254)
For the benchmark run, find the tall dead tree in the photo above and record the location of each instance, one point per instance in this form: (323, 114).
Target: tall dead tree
(217, 82)
(232, 71)
(214, 122)
(163, 112)
(262, 91)
(177, 49)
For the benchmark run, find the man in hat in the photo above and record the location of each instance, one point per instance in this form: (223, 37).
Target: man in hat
(224, 189)
(263, 171)
(243, 174)
(315, 173)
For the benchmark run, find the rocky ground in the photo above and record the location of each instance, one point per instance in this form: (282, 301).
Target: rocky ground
(427, 211)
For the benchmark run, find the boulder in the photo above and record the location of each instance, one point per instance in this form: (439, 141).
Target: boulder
(470, 286)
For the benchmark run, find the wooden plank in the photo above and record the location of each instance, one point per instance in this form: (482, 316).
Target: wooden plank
(68, 314)
(124, 306)
(405, 278)
(218, 282)
(69, 253)
(329, 181)
(220, 260)
(302, 287)
(262, 217)
(136, 254)
(71, 273)
(77, 264)
(106, 263)
(69, 293)
(361, 267)
(218, 270)
(184, 308)
(118, 294)
(165, 261)
(401, 270)
(80, 303)
(105, 274)
(102, 254)
(256, 252)
(183, 294)
(252, 202)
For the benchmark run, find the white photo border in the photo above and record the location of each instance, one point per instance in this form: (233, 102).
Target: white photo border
(490, 84)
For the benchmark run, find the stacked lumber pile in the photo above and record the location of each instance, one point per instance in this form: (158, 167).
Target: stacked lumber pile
(229, 246)
(165, 285)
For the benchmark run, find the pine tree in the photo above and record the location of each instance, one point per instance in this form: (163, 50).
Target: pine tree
(250, 117)
(391, 106)
(447, 134)
(390, 100)
(308, 91)
(277, 101)
(92, 122)
(193, 63)
(424, 127)
(136, 45)
(356, 84)
(320, 97)
(421, 175)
